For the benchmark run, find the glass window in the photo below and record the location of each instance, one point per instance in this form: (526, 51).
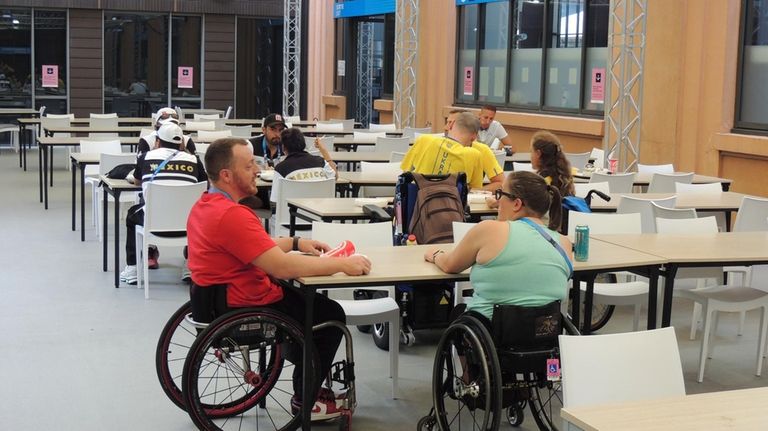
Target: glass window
(467, 48)
(136, 72)
(15, 58)
(753, 112)
(259, 67)
(532, 54)
(186, 38)
(51, 61)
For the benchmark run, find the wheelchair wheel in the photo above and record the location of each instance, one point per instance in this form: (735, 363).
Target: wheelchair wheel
(466, 381)
(238, 374)
(515, 415)
(545, 404)
(172, 348)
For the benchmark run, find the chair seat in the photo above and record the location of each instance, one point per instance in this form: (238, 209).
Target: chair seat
(728, 294)
(368, 311)
(620, 290)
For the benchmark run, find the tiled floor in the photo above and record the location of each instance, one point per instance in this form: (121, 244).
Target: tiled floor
(79, 354)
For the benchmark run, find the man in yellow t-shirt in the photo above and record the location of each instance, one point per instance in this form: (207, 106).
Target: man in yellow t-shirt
(436, 155)
(491, 167)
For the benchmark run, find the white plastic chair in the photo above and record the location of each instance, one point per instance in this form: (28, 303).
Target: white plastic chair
(145, 131)
(501, 158)
(460, 230)
(92, 172)
(379, 169)
(239, 131)
(285, 189)
(598, 157)
(291, 118)
(106, 163)
(671, 213)
(208, 136)
(656, 169)
(205, 117)
(643, 207)
(396, 157)
(104, 121)
(521, 166)
(617, 183)
(634, 293)
(191, 126)
(581, 189)
(347, 124)
(387, 145)
(200, 150)
(707, 188)
(367, 137)
(13, 135)
(329, 127)
(612, 368)
(165, 221)
(578, 160)
(382, 127)
(368, 311)
(53, 121)
(228, 112)
(665, 183)
(410, 132)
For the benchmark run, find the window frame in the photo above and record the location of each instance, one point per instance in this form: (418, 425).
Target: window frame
(542, 108)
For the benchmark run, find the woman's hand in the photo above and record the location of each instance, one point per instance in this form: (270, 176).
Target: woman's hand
(430, 253)
(491, 202)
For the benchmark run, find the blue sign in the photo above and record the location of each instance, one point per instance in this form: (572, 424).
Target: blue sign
(351, 8)
(471, 2)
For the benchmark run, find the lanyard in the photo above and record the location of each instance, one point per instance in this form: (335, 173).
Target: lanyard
(162, 165)
(213, 189)
(267, 156)
(548, 237)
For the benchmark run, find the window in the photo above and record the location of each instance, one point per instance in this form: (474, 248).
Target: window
(751, 110)
(536, 55)
(51, 61)
(15, 58)
(186, 38)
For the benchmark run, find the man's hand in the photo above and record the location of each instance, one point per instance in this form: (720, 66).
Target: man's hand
(357, 265)
(310, 246)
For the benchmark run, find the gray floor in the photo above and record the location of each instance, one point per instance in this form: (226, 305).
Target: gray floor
(79, 354)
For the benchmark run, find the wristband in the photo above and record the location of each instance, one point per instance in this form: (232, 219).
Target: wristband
(296, 243)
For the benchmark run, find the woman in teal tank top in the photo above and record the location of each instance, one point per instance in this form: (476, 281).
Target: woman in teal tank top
(512, 261)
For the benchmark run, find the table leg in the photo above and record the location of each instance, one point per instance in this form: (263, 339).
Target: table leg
(292, 217)
(82, 200)
(104, 230)
(50, 165)
(669, 284)
(40, 171)
(653, 289)
(576, 299)
(727, 221)
(21, 144)
(308, 400)
(74, 186)
(588, 300)
(116, 195)
(45, 176)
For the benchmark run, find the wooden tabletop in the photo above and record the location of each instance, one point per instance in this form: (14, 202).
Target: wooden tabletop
(725, 201)
(18, 111)
(742, 410)
(367, 179)
(353, 207)
(74, 140)
(119, 184)
(644, 178)
(721, 247)
(608, 255)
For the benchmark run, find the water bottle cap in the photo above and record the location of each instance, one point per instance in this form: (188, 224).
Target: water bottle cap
(411, 237)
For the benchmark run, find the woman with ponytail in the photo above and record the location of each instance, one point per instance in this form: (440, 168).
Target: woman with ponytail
(516, 259)
(548, 159)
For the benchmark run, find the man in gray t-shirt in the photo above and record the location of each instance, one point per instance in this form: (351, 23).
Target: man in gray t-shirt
(491, 129)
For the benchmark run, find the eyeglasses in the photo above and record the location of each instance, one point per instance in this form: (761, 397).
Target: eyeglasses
(498, 193)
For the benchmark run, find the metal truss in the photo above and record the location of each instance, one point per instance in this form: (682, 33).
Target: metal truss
(406, 47)
(291, 57)
(364, 103)
(624, 89)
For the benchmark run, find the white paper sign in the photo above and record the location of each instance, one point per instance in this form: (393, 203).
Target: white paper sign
(341, 67)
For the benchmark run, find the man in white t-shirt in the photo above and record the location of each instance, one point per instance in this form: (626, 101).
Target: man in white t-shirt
(491, 129)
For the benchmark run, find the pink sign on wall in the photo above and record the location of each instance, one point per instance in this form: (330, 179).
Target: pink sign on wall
(468, 81)
(185, 77)
(50, 75)
(598, 85)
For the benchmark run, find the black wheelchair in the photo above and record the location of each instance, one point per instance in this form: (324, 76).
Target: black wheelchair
(234, 369)
(483, 370)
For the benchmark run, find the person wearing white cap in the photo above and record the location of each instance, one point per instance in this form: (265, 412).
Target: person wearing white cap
(163, 115)
(167, 162)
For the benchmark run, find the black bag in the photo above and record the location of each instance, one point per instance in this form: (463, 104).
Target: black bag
(121, 172)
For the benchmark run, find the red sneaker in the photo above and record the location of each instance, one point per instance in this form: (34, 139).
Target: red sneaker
(152, 257)
(345, 249)
(326, 407)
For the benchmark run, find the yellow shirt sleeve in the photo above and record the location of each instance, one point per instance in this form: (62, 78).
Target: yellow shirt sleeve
(474, 168)
(491, 166)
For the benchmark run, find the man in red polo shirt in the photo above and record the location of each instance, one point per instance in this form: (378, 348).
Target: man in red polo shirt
(228, 245)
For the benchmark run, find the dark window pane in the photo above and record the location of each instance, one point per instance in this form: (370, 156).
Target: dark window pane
(754, 92)
(467, 49)
(259, 67)
(51, 60)
(15, 58)
(186, 39)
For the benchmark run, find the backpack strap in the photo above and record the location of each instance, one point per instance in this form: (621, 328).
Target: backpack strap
(554, 243)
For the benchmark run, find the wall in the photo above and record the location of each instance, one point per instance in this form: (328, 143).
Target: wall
(219, 61)
(320, 71)
(85, 63)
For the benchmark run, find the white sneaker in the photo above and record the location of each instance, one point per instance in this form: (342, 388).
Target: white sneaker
(186, 274)
(129, 275)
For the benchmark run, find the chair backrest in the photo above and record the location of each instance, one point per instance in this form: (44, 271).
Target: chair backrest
(199, 125)
(145, 131)
(752, 215)
(289, 189)
(617, 183)
(375, 168)
(683, 226)
(656, 169)
(521, 166)
(495, 144)
(363, 235)
(54, 120)
(210, 136)
(347, 124)
(291, 118)
(103, 122)
(367, 137)
(622, 367)
(327, 141)
(598, 157)
(601, 223)
(643, 207)
(501, 158)
(201, 148)
(410, 132)
(329, 127)
(201, 117)
(387, 145)
(168, 205)
(111, 115)
(671, 213)
(219, 123)
(578, 160)
(101, 147)
(179, 112)
(714, 188)
(228, 112)
(460, 229)
(396, 156)
(70, 116)
(239, 131)
(581, 189)
(665, 183)
(382, 127)
(107, 161)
